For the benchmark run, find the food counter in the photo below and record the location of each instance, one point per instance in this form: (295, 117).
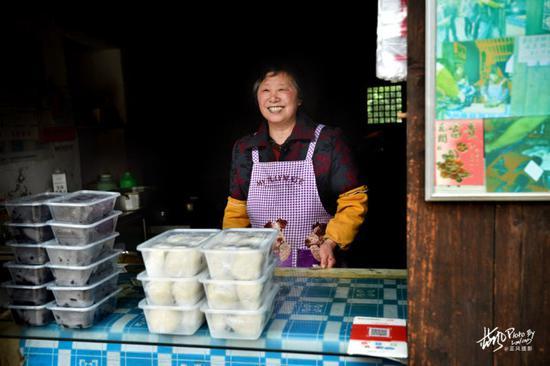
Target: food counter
(310, 325)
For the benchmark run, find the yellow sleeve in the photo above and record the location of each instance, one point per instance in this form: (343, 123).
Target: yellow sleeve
(235, 215)
(350, 214)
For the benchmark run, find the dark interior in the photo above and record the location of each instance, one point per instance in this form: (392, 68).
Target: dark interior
(188, 96)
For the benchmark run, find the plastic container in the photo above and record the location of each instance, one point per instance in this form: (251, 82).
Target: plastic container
(30, 233)
(175, 253)
(31, 209)
(30, 253)
(77, 234)
(181, 320)
(84, 255)
(239, 254)
(31, 315)
(29, 274)
(172, 290)
(82, 207)
(232, 294)
(240, 324)
(31, 295)
(85, 296)
(84, 317)
(84, 275)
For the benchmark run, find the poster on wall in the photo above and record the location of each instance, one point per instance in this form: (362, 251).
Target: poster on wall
(488, 100)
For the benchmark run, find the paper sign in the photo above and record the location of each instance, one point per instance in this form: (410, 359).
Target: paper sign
(534, 170)
(59, 181)
(459, 159)
(378, 337)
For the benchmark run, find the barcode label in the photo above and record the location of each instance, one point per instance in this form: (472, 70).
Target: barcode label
(379, 332)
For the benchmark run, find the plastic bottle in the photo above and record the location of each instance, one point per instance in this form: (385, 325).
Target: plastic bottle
(127, 181)
(106, 183)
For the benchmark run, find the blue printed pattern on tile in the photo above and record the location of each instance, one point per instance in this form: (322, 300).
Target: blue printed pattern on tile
(173, 356)
(313, 314)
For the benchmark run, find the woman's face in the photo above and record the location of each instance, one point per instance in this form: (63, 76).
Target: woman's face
(278, 98)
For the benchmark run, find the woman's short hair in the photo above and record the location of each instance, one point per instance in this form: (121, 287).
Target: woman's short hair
(273, 70)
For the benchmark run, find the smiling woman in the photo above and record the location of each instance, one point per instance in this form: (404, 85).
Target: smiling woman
(289, 173)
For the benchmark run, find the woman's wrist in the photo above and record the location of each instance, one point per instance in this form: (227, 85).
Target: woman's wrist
(329, 241)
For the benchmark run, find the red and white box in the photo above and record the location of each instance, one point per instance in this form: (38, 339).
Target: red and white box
(378, 337)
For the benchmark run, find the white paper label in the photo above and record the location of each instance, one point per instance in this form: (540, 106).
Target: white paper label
(378, 337)
(534, 170)
(59, 181)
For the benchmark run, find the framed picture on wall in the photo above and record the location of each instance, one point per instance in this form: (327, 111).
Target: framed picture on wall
(487, 100)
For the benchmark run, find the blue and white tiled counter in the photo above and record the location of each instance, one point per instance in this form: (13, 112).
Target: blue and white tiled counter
(310, 326)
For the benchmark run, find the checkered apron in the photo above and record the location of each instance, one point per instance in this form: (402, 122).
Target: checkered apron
(287, 190)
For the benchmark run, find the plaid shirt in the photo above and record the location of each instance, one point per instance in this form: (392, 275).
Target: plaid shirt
(335, 170)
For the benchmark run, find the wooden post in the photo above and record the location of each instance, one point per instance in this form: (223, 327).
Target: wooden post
(470, 265)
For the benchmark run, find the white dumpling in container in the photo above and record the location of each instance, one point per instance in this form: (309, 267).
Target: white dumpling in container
(182, 263)
(163, 321)
(222, 296)
(192, 319)
(218, 266)
(159, 292)
(217, 323)
(250, 296)
(186, 292)
(247, 265)
(154, 262)
(246, 325)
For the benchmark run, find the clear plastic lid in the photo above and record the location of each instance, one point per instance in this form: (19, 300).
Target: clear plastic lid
(30, 245)
(112, 255)
(12, 264)
(143, 304)
(53, 287)
(179, 239)
(34, 200)
(31, 307)
(241, 240)
(27, 224)
(144, 277)
(111, 216)
(52, 244)
(11, 284)
(53, 305)
(83, 198)
(268, 302)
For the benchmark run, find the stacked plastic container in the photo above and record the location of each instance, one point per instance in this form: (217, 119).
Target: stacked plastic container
(173, 294)
(82, 259)
(27, 291)
(239, 287)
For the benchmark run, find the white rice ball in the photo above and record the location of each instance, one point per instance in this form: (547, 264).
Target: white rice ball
(154, 262)
(217, 324)
(218, 266)
(182, 263)
(159, 292)
(222, 296)
(247, 265)
(191, 319)
(186, 292)
(250, 296)
(163, 321)
(248, 326)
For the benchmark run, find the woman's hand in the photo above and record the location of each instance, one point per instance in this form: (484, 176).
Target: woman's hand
(326, 253)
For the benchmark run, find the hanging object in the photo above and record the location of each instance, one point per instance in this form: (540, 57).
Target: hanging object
(391, 50)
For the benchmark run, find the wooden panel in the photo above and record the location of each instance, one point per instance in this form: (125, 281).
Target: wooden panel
(522, 270)
(450, 246)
